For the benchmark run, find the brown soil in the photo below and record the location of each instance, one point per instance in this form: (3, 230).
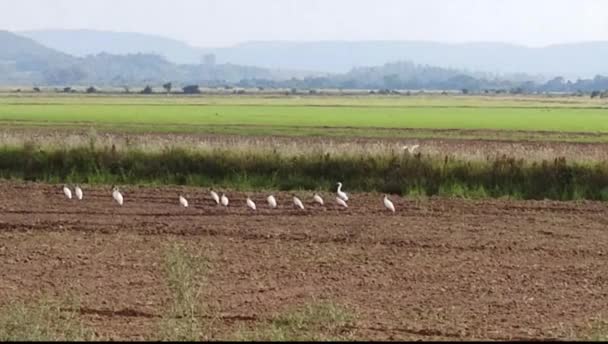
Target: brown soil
(437, 269)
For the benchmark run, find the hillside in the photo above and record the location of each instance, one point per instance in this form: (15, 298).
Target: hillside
(81, 43)
(23, 61)
(23, 58)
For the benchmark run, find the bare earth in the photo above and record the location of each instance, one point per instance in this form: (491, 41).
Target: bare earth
(437, 269)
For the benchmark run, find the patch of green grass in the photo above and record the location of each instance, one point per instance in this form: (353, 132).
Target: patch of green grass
(314, 322)
(185, 275)
(43, 320)
(423, 117)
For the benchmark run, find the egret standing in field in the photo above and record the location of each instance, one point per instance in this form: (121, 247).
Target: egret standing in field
(224, 200)
(411, 149)
(67, 192)
(341, 193)
(298, 203)
(272, 202)
(317, 199)
(78, 192)
(388, 204)
(250, 203)
(117, 195)
(215, 197)
(183, 201)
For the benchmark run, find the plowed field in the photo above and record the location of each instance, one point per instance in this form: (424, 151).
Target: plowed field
(436, 269)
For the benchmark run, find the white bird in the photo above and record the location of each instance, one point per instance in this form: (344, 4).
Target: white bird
(250, 203)
(318, 199)
(341, 193)
(388, 204)
(183, 201)
(67, 192)
(215, 197)
(117, 195)
(224, 200)
(411, 148)
(272, 202)
(298, 203)
(78, 192)
(341, 202)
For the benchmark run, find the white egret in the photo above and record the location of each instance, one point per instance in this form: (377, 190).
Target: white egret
(411, 148)
(272, 202)
(78, 192)
(183, 201)
(388, 204)
(224, 200)
(67, 192)
(250, 203)
(318, 199)
(341, 202)
(117, 195)
(215, 197)
(341, 193)
(298, 203)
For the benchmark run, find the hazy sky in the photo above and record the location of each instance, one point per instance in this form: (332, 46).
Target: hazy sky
(225, 22)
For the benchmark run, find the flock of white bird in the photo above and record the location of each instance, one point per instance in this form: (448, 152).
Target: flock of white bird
(341, 198)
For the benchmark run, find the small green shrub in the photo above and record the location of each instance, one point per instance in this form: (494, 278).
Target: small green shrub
(315, 322)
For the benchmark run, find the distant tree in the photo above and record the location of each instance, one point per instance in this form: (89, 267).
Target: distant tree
(465, 91)
(191, 89)
(168, 87)
(604, 94)
(67, 89)
(147, 90)
(91, 89)
(392, 81)
(127, 89)
(294, 90)
(36, 89)
(595, 94)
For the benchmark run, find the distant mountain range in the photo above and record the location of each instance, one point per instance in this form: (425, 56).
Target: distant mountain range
(569, 60)
(24, 61)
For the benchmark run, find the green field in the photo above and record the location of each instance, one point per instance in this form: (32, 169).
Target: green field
(306, 116)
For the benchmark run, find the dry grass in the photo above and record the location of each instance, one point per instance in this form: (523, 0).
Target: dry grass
(456, 149)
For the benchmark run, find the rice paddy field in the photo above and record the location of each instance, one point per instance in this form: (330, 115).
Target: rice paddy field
(500, 230)
(364, 116)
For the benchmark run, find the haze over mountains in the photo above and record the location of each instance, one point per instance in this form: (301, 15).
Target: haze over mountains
(576, 60)
(131, 60)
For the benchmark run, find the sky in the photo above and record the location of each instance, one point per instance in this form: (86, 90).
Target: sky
(215, 23)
